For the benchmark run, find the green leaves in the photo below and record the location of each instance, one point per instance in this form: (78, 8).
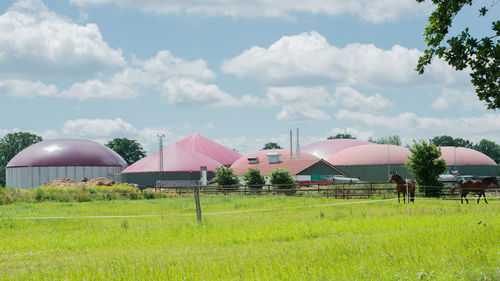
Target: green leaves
(129, 150)
(463, 51)
(10, 145)
(225, 176)
(425, 165)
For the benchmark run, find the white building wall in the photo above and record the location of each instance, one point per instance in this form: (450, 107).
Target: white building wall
(28, 177)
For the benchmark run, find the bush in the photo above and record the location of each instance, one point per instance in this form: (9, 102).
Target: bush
(281, 179)
(224, 176)
(254, 179)
(5, 197)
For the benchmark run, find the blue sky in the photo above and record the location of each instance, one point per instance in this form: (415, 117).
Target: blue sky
(239, 72)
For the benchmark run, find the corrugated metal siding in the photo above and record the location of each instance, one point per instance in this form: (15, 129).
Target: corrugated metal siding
(27, 177)
(149, 179)
(320, 168)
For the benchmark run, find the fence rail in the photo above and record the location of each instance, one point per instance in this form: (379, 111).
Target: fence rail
(336, 190)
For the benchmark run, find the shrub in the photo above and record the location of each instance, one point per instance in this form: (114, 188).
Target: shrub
(224, 176)
(281, 179)
(254, 179)
(5, 197)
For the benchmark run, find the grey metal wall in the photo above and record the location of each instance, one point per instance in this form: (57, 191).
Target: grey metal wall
(28, 177)
(145, 180)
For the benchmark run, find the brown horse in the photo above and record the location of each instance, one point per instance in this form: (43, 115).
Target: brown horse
(401, 186)
(476, 186)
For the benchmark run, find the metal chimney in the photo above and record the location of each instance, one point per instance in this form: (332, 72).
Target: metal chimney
(291, 145)
(297, 150)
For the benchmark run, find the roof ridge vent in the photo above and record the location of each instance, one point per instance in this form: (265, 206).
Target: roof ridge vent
(273, 157)
(253, 160)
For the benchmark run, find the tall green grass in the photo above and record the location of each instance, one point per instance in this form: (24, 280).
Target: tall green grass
(440, 240)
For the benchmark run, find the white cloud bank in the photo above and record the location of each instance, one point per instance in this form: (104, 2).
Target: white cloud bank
(376, 11)
(309, 58)
(36, 42)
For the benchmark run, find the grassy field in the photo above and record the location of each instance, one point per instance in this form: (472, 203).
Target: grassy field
(441, 240)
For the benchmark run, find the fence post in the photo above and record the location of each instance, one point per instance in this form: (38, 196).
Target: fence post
(197, 200)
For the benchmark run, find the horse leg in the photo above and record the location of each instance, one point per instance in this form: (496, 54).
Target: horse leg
(413, 197)
(484, 195)
(398, 198)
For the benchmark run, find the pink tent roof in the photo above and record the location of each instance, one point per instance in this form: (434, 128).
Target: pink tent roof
(376, 154)
(176, 158)
(461, 156)
(205, 146)
(327, 148)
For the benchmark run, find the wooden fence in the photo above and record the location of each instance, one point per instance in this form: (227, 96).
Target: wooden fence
(338, 190)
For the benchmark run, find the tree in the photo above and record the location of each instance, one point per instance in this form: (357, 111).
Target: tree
(254, 179)
(390, 139)
(463, 51)
(224, 176)
(10, 145)
(281, 179)
(129, 150)
(425, 165)
(341, 136)
(489, 148)
(450, 141)
(271, 145)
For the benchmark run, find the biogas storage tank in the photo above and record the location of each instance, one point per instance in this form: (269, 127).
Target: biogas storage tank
(63, 158)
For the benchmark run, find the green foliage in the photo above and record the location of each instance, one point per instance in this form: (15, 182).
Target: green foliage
(425, 165)
(5, 197)
(271, 145)
(450, 141)
(254, 179)
(225, 176)
(463, 51)
(281, 179)
(489, 148)
(390, 139)
(10, 145)
(341, 136)
(129, 150)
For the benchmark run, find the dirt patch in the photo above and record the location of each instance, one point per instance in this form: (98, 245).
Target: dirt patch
(65, 182)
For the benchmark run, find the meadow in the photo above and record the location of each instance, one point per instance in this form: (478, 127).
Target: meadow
(287, 238)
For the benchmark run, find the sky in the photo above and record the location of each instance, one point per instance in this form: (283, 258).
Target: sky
(242, 73)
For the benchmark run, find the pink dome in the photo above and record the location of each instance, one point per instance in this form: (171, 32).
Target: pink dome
(461, 156)
(241, 165)
(327, 148)
(376, 154)
(176, 158)
(218, 152)
(66, 152)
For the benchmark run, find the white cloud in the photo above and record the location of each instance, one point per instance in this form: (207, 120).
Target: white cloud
(309, 58)
(98, 128)
(299, 114)
(306, 96)
(412, 126)
(356, 101)
(190, 92)
(36, 42)
(166, 65)
(26, 88)
(370, 10)
(463, 99)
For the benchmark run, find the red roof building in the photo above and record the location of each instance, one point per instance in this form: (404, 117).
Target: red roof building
(218, 152)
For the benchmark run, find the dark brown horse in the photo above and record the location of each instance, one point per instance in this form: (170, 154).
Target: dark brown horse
(401, 186)
(476, 186)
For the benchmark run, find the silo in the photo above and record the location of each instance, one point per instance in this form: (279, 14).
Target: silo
(63, 158)
(468, 161)
(181, 167)
(372, 163)
(325, 149)
(216, 151)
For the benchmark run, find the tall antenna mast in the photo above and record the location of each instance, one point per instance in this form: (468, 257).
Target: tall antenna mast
(160, 159)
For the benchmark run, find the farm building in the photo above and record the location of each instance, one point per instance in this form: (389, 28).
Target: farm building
(218, 152)
(468, 161)
(372, 162)
(181, 167)
(325, 149)
(62, 158)
(307, 169)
